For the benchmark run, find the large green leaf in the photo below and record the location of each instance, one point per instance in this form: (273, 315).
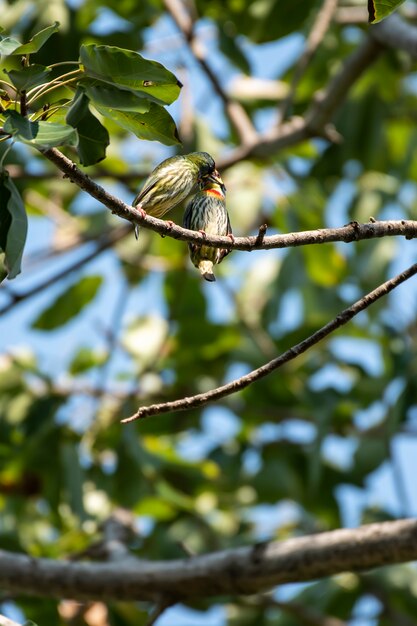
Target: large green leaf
(42, 135)
(10, 45)
(68, 304)
(28, 76)
(105, 95)
(130, 71)
(155, 125)
(13, 227)
(379, 9)
(93, 138)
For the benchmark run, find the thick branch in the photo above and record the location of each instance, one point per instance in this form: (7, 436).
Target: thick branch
(242, 570)
(316, 120)
(185, 404)
(351, 232)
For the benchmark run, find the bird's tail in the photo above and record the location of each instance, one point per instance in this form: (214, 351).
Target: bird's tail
(206, 270)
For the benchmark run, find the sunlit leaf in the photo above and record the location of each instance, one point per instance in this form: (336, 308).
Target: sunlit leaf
(9, 45)
(325, 265)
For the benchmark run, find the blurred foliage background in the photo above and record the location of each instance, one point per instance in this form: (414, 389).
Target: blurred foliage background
(98, 323)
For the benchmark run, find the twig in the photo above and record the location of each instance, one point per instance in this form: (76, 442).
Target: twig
(321, 24)
(242, 570)
(160, 608)
(185, 404)
(235, 112)
(261, 234)
(106, 242)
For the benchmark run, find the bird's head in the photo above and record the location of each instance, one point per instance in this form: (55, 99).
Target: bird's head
(213, 182)
(203, 163)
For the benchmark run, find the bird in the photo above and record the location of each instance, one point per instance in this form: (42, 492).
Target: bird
(206, 212)
(173, 181)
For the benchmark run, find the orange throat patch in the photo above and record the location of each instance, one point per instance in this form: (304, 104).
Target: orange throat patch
(214, 193)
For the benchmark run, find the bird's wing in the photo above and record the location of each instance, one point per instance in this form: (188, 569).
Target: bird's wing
(151, 182)
(222, 251)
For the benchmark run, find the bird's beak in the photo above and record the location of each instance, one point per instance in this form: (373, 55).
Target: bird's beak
(216, 178)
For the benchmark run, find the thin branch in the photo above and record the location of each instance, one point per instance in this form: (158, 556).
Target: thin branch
(103, 244)
(185, 404)
(235, 112)
(160, 608)
(243, 570)
(321, 25)
(399, 480)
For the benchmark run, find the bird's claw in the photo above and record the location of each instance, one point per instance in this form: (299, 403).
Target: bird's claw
(170, 224)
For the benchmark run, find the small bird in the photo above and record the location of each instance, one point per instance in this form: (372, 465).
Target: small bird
(172, 181)
(207, 213)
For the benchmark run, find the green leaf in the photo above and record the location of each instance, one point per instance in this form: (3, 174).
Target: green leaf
(42, 135)
(13, 228)
(105, 95)
(156, 125)
(231, 49)
(28, 76)
(7, 46)
(93, 138)
(379, 9)
(324, 264)
(85, 359)
(68, 304)
(130, 71)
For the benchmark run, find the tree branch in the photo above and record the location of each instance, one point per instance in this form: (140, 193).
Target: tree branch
(243, 570)
(348, 233)
(235, 111)
(318, 116)
(185, 404)
(321, 24)
(105, 242)
(394, 32)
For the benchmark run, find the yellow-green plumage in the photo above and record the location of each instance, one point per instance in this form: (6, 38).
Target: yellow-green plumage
(172, 181)
(207, 212)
